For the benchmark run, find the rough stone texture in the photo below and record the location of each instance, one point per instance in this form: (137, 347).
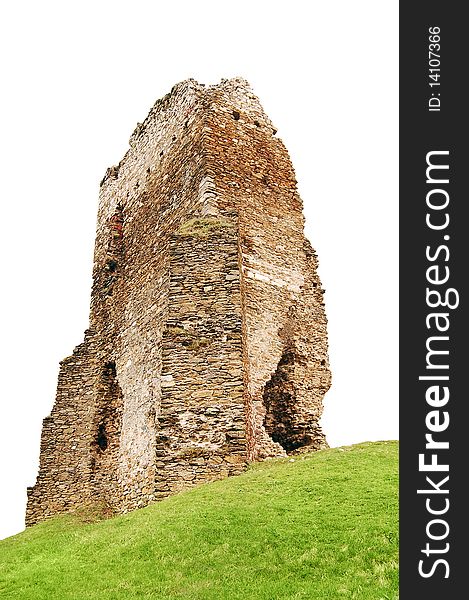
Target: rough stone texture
(207, 345)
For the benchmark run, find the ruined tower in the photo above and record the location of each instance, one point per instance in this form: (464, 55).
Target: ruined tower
(207, 344)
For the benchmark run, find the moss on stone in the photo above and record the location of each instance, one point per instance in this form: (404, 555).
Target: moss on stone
(174, 330)
(204, 226)
(189, 339)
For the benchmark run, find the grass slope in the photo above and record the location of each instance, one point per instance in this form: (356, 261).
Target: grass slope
(322, 527)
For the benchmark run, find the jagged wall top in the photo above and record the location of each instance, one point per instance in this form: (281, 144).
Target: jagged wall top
(185, 103)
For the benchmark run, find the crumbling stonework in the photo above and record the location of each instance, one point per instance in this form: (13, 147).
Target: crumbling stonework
(207, 344)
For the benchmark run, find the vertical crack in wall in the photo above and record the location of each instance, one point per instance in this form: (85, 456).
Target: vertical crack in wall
(106, 437)
(115, 251)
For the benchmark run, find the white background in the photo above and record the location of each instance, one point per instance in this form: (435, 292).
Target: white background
(75, 79)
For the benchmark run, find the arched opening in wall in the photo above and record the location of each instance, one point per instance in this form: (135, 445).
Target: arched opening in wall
(281, 419)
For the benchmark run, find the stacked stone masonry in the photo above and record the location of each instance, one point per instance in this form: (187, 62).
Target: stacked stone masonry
(207, 343)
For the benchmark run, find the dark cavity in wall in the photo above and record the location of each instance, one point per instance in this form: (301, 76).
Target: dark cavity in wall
(279, 399)
(108, 416)
(111, 265)
(106, 438)
(102, 438)
(109, 371)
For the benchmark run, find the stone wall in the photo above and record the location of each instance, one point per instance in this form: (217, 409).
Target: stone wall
(65, 472)
(252, 173)
(207, 345)
(201, 423)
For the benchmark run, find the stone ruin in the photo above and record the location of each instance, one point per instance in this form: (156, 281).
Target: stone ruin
(207, 342)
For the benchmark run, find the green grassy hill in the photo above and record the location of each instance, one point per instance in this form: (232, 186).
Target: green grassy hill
(322, 526)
